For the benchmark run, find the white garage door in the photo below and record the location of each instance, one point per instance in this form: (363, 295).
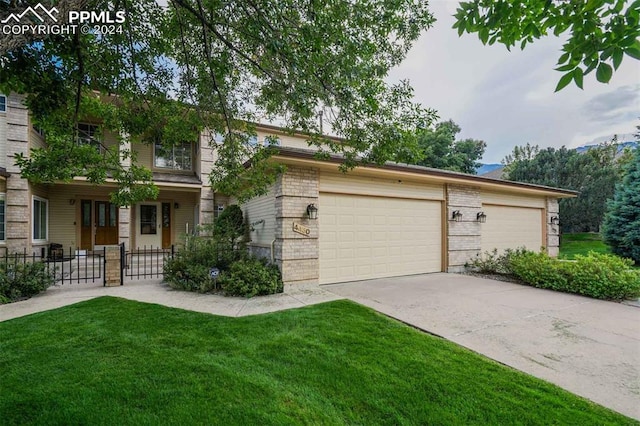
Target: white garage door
(511, 227)
(365, 237)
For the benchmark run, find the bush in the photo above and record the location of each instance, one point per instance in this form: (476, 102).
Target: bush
(539, 270)
(251, 277)
(492, 263)
(603, 276)
(189, 268)
(23, 280)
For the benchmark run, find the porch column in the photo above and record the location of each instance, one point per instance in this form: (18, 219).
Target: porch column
(124, 226)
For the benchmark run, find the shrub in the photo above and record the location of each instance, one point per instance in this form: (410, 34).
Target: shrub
(23, 280)
(189, 268)
(251, 277)
(539, 270)
(603, 276)
(490, 262)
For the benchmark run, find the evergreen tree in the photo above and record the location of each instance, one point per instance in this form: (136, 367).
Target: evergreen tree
(621, 227)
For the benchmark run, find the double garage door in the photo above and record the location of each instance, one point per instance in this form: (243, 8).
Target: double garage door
(364, 237)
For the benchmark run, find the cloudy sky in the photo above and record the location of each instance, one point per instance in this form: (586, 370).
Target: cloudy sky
(507, 98)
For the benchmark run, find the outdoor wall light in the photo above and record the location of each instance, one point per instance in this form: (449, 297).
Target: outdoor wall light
(312, 211)
(176, 206)
(481, 217)
(554, 220)
(457, 216)
(72, 201)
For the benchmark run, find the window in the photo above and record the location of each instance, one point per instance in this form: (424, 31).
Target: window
(177, 157)
(148, 217)
(3, 224)
(3, 103)
(40, 218)
(88, 134)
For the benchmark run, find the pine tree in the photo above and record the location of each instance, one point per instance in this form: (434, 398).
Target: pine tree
(621, 227)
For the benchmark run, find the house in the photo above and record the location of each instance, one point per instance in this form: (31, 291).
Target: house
(373, 222)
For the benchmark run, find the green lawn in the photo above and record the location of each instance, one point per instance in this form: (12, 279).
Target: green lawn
(581, 243)
(114, 361)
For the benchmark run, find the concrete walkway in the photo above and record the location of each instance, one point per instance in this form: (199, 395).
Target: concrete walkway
(153, 291)
(587, 346)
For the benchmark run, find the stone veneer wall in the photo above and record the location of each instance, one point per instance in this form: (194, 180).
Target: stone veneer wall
(296, 255)
(18, 235)
(553, 231)
(464, 238)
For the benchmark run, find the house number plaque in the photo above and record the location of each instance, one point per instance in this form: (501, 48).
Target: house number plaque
(300, 229)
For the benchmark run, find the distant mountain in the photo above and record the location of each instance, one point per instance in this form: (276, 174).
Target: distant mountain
(621, 146)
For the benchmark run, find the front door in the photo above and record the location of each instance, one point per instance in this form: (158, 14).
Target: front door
(149, 225)
(106, 216)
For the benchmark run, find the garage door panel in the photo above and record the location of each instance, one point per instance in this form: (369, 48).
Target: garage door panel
(377, 237)
(512, 227)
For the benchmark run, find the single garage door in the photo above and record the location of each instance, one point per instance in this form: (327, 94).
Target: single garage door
(511, 227)
(363, 237)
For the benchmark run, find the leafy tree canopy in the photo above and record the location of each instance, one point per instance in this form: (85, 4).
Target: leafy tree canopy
(204, 64)
(594, 174)
(599, 32)
(438, 148)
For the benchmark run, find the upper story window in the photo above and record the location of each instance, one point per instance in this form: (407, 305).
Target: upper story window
(177, 157)
(3, 103)
(88, 134)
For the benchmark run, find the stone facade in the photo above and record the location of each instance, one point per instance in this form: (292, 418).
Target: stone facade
(553, 231)
(112, 268)
(297, 255)
(464, 238)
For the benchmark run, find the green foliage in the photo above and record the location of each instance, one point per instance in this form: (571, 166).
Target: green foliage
(190, 266)
(251, 277)
(600, 32)
(621, 227)
(23, 280)
(603, 276)
(190, 66)
(597, 275)
(593, 173)
(439, 149)
(540, 270)
(490, 262)
(581, 243)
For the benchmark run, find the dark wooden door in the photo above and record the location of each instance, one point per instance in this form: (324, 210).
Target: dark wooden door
(106, 220)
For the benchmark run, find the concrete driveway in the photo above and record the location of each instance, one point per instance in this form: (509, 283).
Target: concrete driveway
(587, 346)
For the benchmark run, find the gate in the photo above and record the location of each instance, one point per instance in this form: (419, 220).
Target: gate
(143, 263)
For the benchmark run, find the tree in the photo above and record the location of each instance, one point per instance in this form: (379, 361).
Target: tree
(621, 226)
(203, 64)
(594, 174)
(600, 32)
(439, 149)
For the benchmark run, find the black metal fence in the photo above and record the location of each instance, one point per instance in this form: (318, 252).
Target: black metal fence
(72, 266)
(145, 262)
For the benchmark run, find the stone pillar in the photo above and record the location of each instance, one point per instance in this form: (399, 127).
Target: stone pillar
(297, 255)
(112, 266)
(18, 203)
(553, 231)
(464, 238)
(207, 160)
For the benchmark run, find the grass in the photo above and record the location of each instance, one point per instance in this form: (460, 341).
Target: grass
(581, 243)
(114, 361)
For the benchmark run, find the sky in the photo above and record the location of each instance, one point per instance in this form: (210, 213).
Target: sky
(507, 98)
